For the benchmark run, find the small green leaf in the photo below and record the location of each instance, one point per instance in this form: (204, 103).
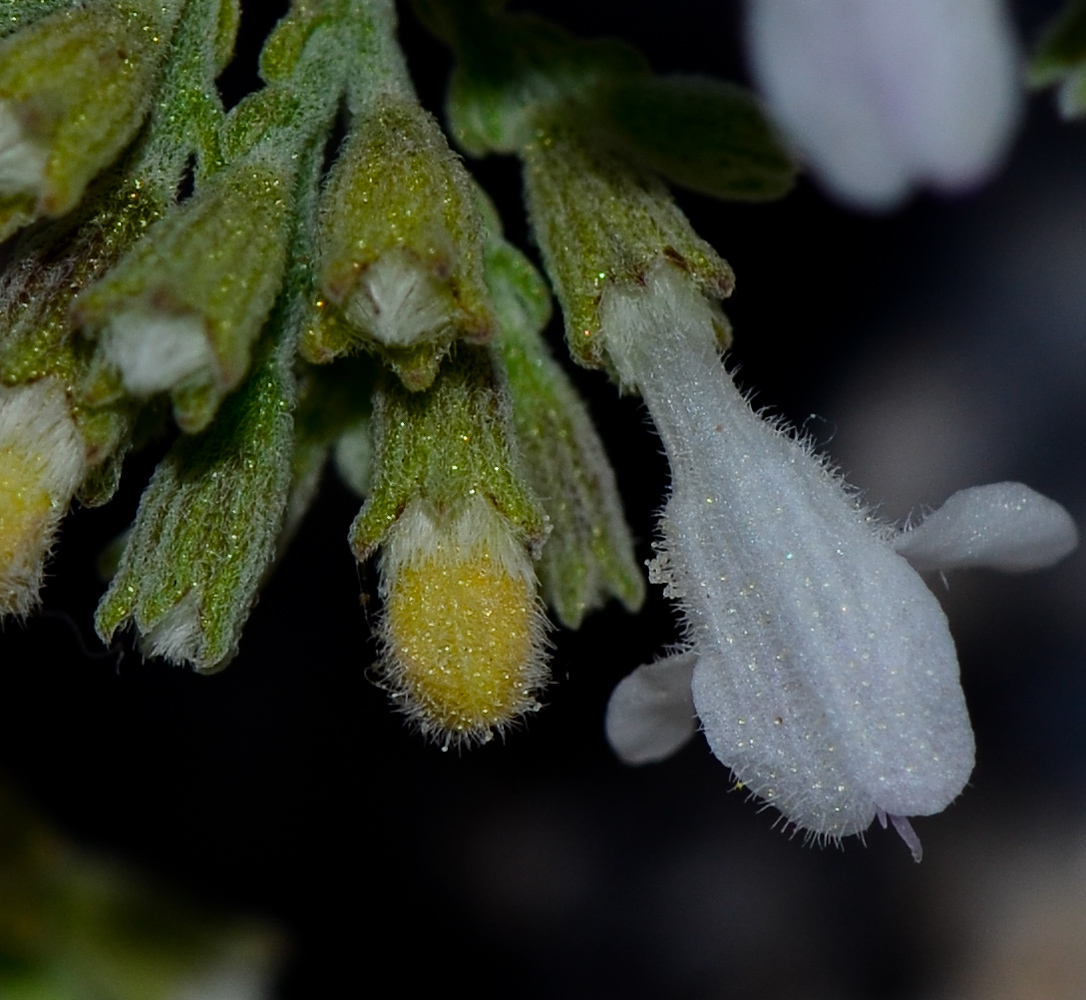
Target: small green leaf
(703, 134)
(1062, 46)
(512, 65)
(1060, 58)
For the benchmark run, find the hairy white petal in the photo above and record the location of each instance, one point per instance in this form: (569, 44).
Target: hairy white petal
(155, 351)
(1003, 526)
(651, 712)
(826, 678)
(881, 95)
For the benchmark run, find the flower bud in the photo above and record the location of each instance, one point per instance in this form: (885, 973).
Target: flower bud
(463, 631)
(181, 311)
(207, 526)
(401, 268)
(74, 88)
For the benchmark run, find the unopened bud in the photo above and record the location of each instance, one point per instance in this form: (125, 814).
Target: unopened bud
(402, 265)
(74, 88)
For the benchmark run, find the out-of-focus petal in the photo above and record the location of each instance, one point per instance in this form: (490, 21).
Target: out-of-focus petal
(881, 96)
(651, 713)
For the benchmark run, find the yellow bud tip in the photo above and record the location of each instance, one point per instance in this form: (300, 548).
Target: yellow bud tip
(42, 462)
(463, 630)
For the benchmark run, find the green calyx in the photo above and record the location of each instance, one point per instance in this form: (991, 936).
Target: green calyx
(181, 311)
(599, 223)
(445, 446)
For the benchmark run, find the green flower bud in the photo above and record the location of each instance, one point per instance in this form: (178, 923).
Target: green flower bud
(37, 339)
(74, 88)
(463, 632)
(207, 526)
(401, 267)
(599, 223)
(50, 267)
(181, 311)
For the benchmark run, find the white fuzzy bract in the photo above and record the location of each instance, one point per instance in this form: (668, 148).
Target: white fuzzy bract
(882, 96)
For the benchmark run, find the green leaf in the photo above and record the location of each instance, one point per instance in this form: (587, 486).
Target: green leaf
(703, 134)
(512, 65)
(1060, 58)
(1062, 46)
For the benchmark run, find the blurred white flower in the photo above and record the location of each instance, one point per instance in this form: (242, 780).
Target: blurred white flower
(818, 661)
(882, 96)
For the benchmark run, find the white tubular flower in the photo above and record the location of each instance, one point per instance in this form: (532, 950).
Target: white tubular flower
(42, 463)
(881, 96)
(825, 675)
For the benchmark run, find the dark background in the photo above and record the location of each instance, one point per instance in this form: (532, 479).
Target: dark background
(934, 348)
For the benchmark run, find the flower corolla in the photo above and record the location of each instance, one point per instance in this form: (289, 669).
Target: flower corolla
(880, 97)
(818, 661)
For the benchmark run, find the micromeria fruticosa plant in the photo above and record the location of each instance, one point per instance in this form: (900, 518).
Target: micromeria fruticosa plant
(287, 312)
